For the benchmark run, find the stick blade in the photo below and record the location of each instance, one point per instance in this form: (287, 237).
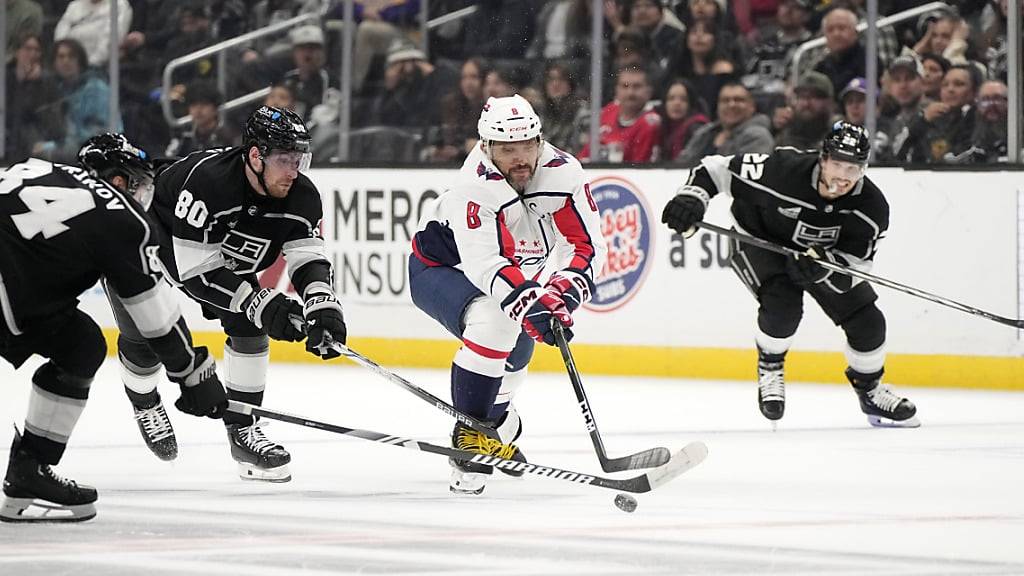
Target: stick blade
(686, 459)
(651, 458)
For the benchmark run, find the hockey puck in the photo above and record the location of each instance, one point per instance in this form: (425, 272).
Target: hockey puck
(625, 502)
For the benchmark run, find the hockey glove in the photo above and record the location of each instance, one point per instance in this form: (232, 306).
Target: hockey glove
(201, 391)
(805, 270)
(535, 307)
(276, 313)
(572, 286)
(684, 211)
(325, 323)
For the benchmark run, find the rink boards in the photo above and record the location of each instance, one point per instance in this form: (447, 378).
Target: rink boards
(674, 309)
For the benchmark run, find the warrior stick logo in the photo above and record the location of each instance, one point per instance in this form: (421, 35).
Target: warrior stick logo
(532, 469)
(626, 225)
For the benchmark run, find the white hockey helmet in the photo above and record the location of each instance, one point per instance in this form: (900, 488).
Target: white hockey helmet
(508, 119)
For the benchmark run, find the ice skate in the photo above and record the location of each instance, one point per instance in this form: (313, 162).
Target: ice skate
(771, 386)
(156, 429)
(258, 458)
(470, 477)
(33, 492)
(883, 407)
(509, 430)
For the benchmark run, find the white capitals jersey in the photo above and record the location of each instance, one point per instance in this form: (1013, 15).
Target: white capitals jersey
(499, 238)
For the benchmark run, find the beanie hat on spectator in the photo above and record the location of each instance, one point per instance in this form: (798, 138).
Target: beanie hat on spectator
(907, 63)
(307, 35)
(856, 85)
(816, 82)
(400, 51)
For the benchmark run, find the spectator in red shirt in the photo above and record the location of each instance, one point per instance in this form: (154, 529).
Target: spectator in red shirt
(630, 127)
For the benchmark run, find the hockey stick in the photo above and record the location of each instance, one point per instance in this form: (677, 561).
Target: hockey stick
(770, 246)
(416, 390)
(647, 459)
(690, 456)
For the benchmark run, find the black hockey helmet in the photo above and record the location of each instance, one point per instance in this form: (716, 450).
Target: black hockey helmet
(847, 142)
(270, 129)
(108, 155)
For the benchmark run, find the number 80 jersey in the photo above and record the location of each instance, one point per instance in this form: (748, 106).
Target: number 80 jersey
(60, 231)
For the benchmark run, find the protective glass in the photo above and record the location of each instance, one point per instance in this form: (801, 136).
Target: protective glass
(290, 160)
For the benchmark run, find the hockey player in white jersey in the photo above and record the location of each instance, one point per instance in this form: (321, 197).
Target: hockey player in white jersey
(518, 208)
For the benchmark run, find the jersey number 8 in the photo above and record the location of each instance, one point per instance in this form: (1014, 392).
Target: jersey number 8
(191, 210)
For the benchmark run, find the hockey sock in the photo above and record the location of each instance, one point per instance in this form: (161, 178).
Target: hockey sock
(54, 406)
(246, 359)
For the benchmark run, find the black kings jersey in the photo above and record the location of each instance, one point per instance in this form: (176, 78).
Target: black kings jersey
(775, 197)
(60, 231)
(218, 231)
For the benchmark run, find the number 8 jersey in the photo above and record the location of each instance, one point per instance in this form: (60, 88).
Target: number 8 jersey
(499, 238)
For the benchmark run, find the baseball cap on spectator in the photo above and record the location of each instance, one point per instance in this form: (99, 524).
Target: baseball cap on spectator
(400, 51)
(906, 63)
(856, 85)
(805, 5)
(307, 35)
(816, 82)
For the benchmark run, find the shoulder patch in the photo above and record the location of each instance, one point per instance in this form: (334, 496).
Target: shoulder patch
(486, 174)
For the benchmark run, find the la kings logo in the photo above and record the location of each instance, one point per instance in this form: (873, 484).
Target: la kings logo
(807, 236)
(242, 252)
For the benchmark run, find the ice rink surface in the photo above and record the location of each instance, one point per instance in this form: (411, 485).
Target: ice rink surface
(825, 494)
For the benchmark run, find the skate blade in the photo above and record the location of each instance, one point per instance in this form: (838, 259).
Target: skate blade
(166, 454)
(253, 472)
(36, 510)
(467, 483)
(881, 422)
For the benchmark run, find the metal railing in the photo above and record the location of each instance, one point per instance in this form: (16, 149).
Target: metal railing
(220, 50)
(798, 54)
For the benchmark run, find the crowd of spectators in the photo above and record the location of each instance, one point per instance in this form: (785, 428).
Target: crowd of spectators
(683, 78)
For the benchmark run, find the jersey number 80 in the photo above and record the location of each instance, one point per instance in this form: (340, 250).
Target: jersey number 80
(191, 210)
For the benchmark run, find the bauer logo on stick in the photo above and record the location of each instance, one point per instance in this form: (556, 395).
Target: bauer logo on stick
(626, 224)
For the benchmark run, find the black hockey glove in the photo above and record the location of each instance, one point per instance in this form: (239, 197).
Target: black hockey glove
(684, 211)
(201, 391)
(573, 286)
(278, 314)
(325, 323)
(805, 270)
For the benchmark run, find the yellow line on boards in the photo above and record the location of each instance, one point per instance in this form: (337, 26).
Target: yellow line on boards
(947, 371)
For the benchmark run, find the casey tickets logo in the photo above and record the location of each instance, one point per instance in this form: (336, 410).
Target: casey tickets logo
(626, 225)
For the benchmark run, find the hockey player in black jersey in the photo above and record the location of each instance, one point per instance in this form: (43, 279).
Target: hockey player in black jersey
(61, 230)
(227, 214)
(820, 203)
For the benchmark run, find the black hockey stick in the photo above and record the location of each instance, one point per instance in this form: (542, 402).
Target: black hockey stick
(690, 456)
(416, 390)
(771, 246)
(647, 459)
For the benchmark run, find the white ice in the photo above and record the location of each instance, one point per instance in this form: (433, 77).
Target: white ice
(825, 494)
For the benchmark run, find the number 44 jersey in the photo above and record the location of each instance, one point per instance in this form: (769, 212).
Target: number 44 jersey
(60, 231)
